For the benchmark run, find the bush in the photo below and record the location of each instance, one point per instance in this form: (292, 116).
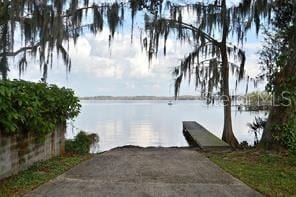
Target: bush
(81, 143)
(289, 137)
(35, 107)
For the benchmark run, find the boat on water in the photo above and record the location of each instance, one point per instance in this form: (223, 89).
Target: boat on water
(170, 103)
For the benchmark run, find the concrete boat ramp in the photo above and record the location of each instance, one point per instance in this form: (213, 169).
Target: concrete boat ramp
(146, 172)
(197, 135)
(150, 172)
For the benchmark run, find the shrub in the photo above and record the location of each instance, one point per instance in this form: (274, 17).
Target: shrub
(81, 143)
(256, 127)
(35, 107)
(289, 137)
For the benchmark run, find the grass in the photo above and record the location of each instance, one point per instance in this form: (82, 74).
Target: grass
(38, 174)
(271, 173)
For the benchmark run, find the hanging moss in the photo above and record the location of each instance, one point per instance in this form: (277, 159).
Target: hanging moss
(47, 27)
(206, 59)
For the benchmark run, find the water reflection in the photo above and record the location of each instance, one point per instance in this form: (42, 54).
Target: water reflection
(153, 123)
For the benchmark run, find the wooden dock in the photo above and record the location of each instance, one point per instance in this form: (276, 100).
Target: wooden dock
(197, 135)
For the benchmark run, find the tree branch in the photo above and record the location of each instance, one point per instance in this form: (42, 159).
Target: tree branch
(195, 29)
(194, 5)
(207, 60)
(22, 49)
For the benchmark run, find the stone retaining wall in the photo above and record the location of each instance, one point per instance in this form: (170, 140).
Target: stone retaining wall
(21, 151)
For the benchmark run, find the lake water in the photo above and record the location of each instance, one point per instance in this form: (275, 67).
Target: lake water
(152, 123)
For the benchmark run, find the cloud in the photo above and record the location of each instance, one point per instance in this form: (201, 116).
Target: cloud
(252, 58)
(92, 56)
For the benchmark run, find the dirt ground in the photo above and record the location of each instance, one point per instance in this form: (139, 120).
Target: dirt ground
(134, 171)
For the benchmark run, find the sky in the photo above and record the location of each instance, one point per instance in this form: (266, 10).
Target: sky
(123, 69)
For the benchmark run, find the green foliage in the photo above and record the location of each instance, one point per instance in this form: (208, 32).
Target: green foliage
(81, 143)
(288, 137)
(256, 127)
(36, 107)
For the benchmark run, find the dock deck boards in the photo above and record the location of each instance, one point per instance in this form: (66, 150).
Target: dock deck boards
(202, 137)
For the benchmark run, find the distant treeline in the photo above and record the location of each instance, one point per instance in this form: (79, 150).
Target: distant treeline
(185, 97)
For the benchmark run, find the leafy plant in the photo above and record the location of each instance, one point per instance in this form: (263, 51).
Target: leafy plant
(81, 143)
(289, 137)
(256, 127)
(35, 107)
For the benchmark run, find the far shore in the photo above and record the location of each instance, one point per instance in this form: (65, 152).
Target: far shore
(141, 98)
